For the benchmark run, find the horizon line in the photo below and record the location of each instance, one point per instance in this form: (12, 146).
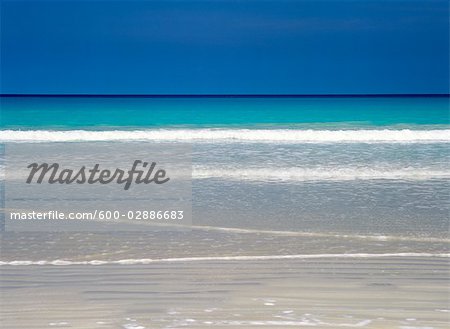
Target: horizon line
(225, 95)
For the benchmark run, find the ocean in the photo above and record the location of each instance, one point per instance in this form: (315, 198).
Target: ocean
(353, 165)
(297, 203)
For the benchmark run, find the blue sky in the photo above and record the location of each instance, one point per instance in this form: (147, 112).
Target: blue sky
(224, 47)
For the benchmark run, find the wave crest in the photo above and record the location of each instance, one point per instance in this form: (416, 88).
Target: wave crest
(143, 261)
(233, 135)
(318, 174)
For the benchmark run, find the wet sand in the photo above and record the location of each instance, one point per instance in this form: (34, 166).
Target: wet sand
(393, 292)
(207, 278)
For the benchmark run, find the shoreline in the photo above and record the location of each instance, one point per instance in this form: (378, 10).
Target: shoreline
(371, 293)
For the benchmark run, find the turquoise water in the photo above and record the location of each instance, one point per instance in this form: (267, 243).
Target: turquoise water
(102, 113)
(361, 165)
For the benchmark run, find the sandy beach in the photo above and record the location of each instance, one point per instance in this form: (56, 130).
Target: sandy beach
(224, 164)
(209, 278)
(394, 292)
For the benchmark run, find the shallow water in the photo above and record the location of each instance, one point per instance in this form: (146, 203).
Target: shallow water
(326, 213)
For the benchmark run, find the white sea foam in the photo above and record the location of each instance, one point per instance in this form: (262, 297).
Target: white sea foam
(233, 135)
(318, 174)
(298, 174)
(132, 326)
(143, 261)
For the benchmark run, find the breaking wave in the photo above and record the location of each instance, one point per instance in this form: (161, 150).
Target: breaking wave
(143, 261)
(318, 174)
(233, 135)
